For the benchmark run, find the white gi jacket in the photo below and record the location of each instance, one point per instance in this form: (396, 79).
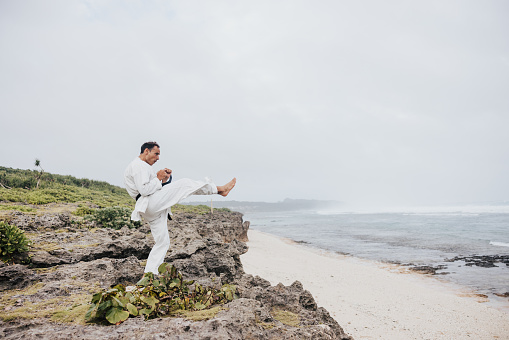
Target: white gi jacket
(140, 178)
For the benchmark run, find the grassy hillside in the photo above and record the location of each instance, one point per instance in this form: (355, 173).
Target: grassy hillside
(18, 191)
(20, 186)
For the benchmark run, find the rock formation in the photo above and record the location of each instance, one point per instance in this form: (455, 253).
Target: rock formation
(71, 260)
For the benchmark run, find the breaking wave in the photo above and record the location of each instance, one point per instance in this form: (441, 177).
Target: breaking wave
(499, 244)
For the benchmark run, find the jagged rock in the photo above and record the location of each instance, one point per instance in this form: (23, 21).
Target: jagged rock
(505, 295)
(74, 245)
(106, 272)
(212, 257)
(29, 222)
(45, 259)
(428, 269)
(78, 261)
(240, 319)
(227, 225)
(292, 298)
(16, 277)
(486, 261)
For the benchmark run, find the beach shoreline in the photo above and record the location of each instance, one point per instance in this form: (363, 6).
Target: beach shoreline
(373, 300)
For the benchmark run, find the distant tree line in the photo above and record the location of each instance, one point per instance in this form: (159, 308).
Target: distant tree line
(28, 179)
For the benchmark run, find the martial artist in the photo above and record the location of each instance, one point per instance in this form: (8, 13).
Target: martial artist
(155, 194)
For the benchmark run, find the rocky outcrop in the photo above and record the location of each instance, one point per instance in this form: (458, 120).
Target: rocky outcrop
(16, 277)
(431, 270)
(30, 222)
(72, 261)
(486, 261)
(73, 245)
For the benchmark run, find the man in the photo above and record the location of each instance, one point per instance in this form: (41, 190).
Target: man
(154, 197)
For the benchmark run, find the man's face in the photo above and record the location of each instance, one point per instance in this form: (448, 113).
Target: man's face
(152, 155)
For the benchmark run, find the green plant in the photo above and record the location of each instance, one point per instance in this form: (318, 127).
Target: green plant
(286, 317)
(12, 241)
(16, 207)
(154, 297)
(83, 211)
(200, 209)
(114, 217)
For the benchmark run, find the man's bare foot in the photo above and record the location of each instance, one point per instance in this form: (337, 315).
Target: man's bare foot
(224, 190)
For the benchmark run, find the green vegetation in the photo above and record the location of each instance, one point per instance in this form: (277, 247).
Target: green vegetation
(27, 179)
(169, 294)
(83, 210)
(57, 309)
(114, 217)
(47, 246)
(75, 313)
(68, 194)
(199, 315)
(36, 187)
(266, 325)
(22, 208)
(12, 241)
(68, 308)
(196, 209)
(286, 317)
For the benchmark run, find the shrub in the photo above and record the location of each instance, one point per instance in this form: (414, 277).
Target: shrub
(114, 217)
(200, 209)
(151, 297)
(16, 207)
(12, 241)
(14, 195)
(83, 211)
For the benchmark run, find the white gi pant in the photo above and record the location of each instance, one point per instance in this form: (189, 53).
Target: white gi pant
(159, 206)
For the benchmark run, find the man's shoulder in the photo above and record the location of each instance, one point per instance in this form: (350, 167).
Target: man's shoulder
(133, 164)
(137, 164)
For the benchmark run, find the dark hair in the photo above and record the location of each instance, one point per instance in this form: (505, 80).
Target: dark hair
(148, 145)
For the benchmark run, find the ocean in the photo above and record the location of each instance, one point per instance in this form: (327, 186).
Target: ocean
(465, 245)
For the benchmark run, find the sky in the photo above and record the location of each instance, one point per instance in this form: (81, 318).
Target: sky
(365, 102)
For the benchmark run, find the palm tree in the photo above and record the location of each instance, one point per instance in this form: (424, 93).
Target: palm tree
(40, 173)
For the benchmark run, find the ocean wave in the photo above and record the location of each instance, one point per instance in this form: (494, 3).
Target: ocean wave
(499, 244)
(470, 210)
(442, 214)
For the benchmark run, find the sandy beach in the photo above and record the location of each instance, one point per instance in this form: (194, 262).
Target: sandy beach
(371, 300)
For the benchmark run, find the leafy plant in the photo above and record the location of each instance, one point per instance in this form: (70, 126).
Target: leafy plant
(114, 217)
(83, 210)
(12, 241)
(154, 297)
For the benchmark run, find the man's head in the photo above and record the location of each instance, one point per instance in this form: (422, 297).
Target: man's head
(150, 152)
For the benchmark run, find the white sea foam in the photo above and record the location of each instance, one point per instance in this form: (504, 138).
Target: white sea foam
(499, 244)
(467, 210)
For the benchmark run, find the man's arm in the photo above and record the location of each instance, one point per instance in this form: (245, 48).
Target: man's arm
(145, 185)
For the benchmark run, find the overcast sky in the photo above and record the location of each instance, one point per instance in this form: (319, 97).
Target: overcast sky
(365, 102)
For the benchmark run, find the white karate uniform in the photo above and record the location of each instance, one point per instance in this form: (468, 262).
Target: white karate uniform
(156, 201)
